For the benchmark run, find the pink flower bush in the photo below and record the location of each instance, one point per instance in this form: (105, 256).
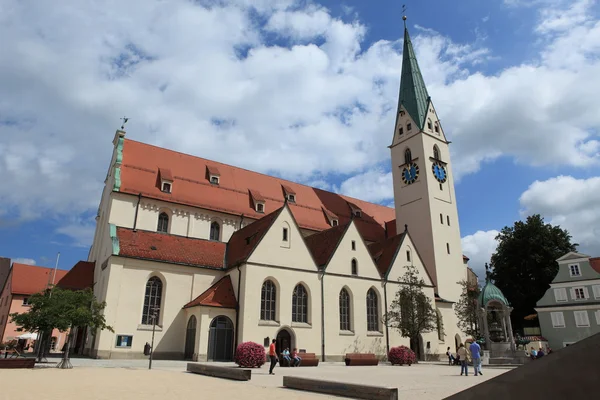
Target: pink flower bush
(402, 355)
(250, 355)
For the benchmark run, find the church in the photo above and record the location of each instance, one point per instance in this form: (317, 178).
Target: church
(210, 255)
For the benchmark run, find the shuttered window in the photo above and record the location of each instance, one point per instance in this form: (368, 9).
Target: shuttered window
(560, 294)
(558, 319)
(581, 318)
(596, 289)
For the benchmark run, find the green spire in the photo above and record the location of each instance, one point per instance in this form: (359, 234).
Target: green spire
(413, 93)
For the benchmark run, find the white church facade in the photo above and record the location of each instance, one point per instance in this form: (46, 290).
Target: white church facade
(221, 255)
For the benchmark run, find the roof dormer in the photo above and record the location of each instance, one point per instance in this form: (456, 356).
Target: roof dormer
(356, 211)
(258, 200)
(289, 193)
(331, 217)
(214, 177)
(166, 180)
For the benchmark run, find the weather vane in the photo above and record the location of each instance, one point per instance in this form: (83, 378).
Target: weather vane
(125, 119)
(404, 14)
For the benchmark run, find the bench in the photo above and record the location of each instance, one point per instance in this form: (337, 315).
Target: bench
(234, 373)
(351, 390)
(17, 362)
(308, 360)
(361, 359)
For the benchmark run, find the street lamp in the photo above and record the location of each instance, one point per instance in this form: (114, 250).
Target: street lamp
(153, 316)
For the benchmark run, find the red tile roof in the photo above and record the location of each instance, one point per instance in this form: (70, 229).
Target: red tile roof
(30, 279)
(287, 189)
(80, 277)
(256, 196)
(384, 252)
(322, 245)
(243, 241)
(165, 174)
(170, 248)
(220, 294)
(139, 173)
(213, 170)
(595, 264)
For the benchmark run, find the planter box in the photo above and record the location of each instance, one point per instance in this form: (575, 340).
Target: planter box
(17, 363)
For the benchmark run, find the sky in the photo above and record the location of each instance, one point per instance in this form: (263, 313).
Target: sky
(305, 90)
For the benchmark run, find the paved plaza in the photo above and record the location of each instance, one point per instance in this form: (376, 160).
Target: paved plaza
(130, 379)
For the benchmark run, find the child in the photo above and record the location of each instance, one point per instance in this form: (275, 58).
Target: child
(296, 358)
(286, 356)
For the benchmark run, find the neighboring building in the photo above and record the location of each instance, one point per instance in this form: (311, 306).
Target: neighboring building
(570, 310)
(4, 269)
(23, 281)
(220, 255)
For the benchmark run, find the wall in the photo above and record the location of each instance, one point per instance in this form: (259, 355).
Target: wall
(204, 317)
(557, 337)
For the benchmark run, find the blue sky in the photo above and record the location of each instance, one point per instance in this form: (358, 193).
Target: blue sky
(515, 83)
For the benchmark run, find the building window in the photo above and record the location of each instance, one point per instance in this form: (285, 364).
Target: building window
(448, 220)
(214, 180)
(260, 207)
(560, 295)
(429, 125)
(574, 270)
(441, 219)
(124, 341)
(596, 290)
(26, 301)
(166, 187)
(441, 187)
(354, 265)
(558, 319)
(448, 247)
(285, 234)
(597, 317)
(163, 223)
(579, 293)
(581, 319)
(300, 304)
(436, 152)
(353, 245)
(215, 231)
(334, 222)
(357, 213)
(407, 156)
(440, 325)
(407, 255)
(291, 198)
(372, 311)
(408, 127)
(267, 301)
(152, 301)
(401, 131)
(344, 310)
(436, 127)
(53, 340)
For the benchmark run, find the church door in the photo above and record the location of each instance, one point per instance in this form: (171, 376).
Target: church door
(190, 338)
(284, 341)
(220, 339)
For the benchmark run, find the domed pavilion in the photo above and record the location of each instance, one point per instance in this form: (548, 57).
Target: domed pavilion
(494, 316)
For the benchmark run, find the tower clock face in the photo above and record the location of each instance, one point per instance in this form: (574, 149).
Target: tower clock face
(439, 171)
(410, 173)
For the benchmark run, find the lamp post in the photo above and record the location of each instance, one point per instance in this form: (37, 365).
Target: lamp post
(153, 316)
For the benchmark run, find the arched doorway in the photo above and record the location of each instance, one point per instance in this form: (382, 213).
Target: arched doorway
(283, 341)
(190, 338)
(220, 339)
(416, 345)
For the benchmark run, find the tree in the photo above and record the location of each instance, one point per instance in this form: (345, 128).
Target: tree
(524, 263)
(65, 310)
(411, 312)
(466, 309)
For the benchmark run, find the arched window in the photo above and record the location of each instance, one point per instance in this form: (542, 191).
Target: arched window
(429, 125)
(344, 311)
(267, 301)
(372, 311)
(436, 152)
(215, 231)
(407, 156)
(152, 301)
(163, 223)
(354, 267)
(300, 304)
(439, 325)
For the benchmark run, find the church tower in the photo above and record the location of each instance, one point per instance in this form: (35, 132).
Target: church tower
(423, 181)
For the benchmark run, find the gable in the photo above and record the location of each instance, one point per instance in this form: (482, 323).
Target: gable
(406, 250)
(220, 294)
(283, 249)
(341, 260)
(432, 124)
(322, 245)
(572, 255)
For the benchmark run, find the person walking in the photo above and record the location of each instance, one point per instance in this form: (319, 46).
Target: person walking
(476, 356)
(462, 353)
(272, 356)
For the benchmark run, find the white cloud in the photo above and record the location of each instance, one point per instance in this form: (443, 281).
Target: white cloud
(19, 260)
(479, 247)
(79, 230)
(572, 203)
(306, 112)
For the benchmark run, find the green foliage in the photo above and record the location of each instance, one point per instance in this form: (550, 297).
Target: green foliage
(411, 312)
(466, 309)
(524, 263)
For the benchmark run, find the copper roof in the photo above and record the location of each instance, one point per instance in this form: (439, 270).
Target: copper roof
(170, 248)
(220, 294)
(30, 279)
(80, 277)
(190, 187)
